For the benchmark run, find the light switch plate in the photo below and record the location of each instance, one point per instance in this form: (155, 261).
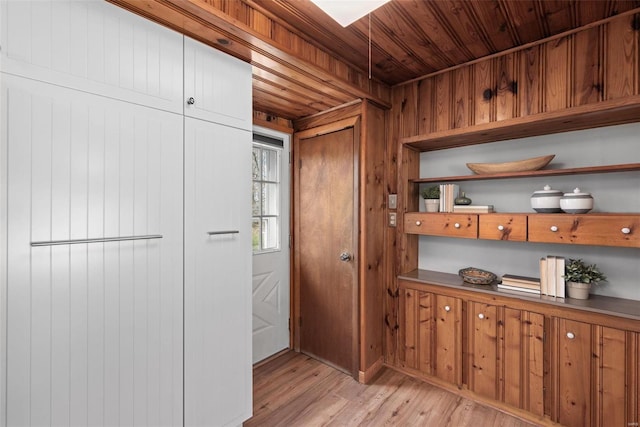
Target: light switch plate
(393, 201)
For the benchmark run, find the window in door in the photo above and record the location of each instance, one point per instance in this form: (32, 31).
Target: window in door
(266, 160)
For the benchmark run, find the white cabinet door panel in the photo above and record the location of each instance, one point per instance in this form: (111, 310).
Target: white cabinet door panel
(93, 46)
(219, 84)
(94, 331)
(218, 374)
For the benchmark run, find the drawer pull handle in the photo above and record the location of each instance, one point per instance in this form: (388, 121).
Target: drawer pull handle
(191, 101)
(456, 225)
(480, 316)
(626, 230)
(447, 308)
(554, 228)
(571, 335)
(418, 223)
(501, 227)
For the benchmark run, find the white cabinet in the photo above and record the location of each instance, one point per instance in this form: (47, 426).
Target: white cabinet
(94, 330)
(95, 47)
(217, 87)
(217, 274)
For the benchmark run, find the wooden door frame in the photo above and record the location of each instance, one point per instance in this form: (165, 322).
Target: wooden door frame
(351, 122)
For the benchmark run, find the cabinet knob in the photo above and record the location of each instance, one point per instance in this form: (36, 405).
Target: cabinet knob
(554, 228)
(418, 222)
(480, 316)
(501, 227)
(447, 308)
(626, 230)
(456, 225)
(191, 101)
(571, 335)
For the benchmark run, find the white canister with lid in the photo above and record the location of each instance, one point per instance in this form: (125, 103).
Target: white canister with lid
(546, 200)
(576, 202)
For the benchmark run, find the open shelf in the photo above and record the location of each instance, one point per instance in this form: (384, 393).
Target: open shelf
(531, 174)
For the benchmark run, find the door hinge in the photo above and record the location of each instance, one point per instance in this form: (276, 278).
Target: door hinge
(300, 164)
(300, 322)
(289, 323)
(290, 241)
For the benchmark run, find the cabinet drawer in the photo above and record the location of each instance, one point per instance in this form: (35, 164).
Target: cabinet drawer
(503, 227)
(588, 229)
(442, 224)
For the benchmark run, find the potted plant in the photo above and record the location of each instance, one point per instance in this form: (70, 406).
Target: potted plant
(579, 277)
(431, 196)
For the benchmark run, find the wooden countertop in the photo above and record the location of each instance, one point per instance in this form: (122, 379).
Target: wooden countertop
(619, 307)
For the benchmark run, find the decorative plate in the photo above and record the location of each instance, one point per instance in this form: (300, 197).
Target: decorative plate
(476, 276)
(531, 164)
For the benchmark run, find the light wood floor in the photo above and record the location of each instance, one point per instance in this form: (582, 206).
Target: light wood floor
(296, 390)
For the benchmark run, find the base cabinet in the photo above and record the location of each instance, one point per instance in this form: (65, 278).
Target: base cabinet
(521, 353)
(594, 374)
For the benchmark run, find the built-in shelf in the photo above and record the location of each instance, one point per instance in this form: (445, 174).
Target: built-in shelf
(532, 174)
(604, 113)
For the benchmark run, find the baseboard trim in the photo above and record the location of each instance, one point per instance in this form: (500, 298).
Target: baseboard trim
(270, 358)
(365, 376)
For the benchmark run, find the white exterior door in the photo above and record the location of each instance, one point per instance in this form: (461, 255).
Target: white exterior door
(93, 329)
(271, 253)
(217, 291)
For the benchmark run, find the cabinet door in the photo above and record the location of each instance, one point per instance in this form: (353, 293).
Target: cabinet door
(432, 334)
(217, 86)
(589, 229)
(94, 330)
(217, 289)
(95, 47)
(505, 355)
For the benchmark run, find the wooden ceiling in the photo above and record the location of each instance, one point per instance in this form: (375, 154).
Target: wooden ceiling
(304, 62)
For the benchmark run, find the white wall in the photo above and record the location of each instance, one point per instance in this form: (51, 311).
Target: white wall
(612, 192)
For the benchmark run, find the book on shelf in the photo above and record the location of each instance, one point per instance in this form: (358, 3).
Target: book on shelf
(448, 193)
(521, 279)
(551, 275)
(560, 288)
(520, 284)
(543, 276)
(518, 289)
(473, 208)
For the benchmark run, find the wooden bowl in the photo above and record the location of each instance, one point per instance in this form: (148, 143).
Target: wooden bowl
(531, 164)
(475, 276)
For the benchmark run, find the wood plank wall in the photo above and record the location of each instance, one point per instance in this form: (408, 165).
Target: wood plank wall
(596, 63)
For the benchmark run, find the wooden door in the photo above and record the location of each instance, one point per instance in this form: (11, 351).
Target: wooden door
(217, 275)
(326, 229)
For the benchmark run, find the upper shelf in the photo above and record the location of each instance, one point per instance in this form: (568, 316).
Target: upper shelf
(528, 174)
(605, 113)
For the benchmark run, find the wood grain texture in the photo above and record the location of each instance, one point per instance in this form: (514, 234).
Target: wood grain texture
(621, 58)
(295, 390)
(482, 348)
(511, 227)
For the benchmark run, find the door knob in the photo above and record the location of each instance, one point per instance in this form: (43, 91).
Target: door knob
(345, 256)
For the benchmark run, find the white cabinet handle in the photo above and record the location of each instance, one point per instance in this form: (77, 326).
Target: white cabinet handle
(571, 335)
(501, 227)
(554, 228)
(447, 308)
(626, 230)
(480, 316)
(418, 223)
(456, 225)
(191, 101)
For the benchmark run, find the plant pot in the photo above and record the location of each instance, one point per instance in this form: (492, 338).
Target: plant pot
(577, 290)
(432, 205)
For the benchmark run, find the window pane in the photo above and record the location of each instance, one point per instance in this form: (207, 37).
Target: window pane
(269, 233)
(256, 163)
(269, 165)
(270, 199)
(255, 199)
(256, 234)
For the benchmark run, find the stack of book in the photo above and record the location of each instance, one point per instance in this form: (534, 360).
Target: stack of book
(552, 276)
(511, 282)
(448, 194)
(473, 208)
